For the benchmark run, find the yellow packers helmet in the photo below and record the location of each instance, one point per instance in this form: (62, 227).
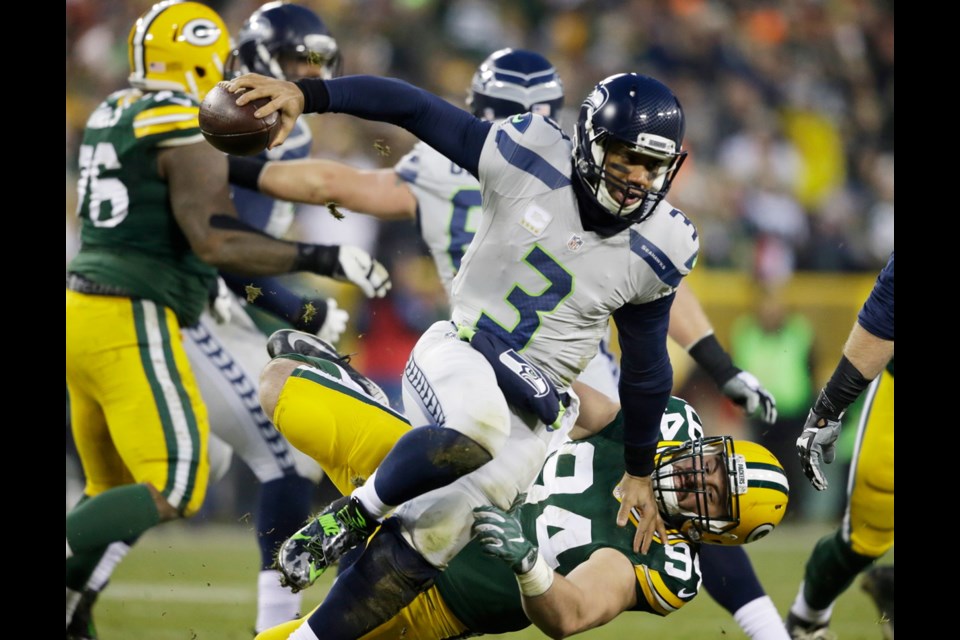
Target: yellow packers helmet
(756, 492)
(180, 46)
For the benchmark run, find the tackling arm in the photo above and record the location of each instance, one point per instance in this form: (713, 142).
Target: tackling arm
(591, 595)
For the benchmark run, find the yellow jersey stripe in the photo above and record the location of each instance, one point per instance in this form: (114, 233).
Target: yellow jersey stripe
(165, 127)
(167, 110)
(669, 597)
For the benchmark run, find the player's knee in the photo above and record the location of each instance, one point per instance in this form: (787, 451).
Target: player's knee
(166, 510)
(272, 379)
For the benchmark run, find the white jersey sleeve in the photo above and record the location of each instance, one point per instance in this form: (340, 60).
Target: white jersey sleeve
(535, 276)
(448, 206)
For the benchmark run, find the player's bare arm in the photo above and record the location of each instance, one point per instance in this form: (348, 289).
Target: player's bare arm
(378, 192)
(591, 595)
(197, 174)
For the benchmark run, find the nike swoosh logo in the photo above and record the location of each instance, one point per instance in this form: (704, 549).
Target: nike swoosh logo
(517, 540)
(518, 118)
(683, 593)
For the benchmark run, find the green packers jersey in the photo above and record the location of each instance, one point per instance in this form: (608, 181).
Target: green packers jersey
(129, 237)
(570, 512)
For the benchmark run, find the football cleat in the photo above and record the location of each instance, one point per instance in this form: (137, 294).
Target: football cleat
(304, 556)
(81, 625)
(306, 344)
(878, 583)
(800, 629)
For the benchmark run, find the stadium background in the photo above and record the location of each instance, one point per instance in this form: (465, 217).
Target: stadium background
(790, 181)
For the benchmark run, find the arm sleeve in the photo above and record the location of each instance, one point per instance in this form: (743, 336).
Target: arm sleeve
(448, 129)
(646, 378)
(277, 299)
(876, 316)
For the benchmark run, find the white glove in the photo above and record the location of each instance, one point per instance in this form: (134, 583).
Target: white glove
(335, 323)
(357, 266)
(745, 390)
(220, 307)
(816, 445)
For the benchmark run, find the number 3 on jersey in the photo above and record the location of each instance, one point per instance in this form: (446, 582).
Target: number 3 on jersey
(532, 306)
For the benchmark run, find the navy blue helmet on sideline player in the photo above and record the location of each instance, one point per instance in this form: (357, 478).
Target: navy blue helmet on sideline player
(512, 81)
(278, 37)
(645, 116)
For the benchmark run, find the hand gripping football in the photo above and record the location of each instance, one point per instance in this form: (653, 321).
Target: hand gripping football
(234, 129)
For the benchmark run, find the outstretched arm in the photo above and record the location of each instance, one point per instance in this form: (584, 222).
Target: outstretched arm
(450, 130)
(868, 350)
(379, 192)
(591, 595)
(201, 204)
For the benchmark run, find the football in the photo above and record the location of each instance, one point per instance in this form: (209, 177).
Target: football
(234, 129)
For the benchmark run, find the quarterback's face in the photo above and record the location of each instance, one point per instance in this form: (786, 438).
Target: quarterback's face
(702, 486)
(631, 167)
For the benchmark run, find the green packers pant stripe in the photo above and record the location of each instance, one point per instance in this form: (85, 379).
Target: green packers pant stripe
(845, 526)
(167, 393)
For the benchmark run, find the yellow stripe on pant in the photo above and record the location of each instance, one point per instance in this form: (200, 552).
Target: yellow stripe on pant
(135, 408)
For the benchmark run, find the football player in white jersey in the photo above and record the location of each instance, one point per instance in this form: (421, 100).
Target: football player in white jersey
(445, 201)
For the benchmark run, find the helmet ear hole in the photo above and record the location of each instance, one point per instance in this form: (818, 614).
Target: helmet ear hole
(200, 71)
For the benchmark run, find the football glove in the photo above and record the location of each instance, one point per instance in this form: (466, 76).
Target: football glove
(745, 390)
(334, 324)
(221, 303)
(500, 536)
(817, 446)
(357, 266)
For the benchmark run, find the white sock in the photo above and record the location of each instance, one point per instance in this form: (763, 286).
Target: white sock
(802, 610)
(368, 497)
(275, 604)
(73, 599)
(104, 569)
(303, 632)
(760, 620)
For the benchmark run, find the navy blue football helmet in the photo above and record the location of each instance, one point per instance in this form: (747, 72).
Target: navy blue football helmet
(637, 114)
(278, 37)
(512, 81)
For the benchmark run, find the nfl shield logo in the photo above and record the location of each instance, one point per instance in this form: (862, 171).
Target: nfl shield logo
(574, 243)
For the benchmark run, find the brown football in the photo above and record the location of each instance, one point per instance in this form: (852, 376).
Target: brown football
(234, 129)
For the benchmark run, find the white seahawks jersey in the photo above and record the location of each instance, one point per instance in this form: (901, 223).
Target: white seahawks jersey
(535, 276)
(448, 206)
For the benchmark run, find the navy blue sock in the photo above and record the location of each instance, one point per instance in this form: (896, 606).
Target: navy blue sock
(384, 579)
(284, 508)
(425, 459)
(728, 576)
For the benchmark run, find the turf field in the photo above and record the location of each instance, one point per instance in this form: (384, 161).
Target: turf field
(197, 582)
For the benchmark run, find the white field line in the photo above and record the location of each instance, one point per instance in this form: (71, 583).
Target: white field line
(144, 591)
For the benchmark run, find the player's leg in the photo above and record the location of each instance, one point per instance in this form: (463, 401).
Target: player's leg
(323, 411)
(225, 357)
(411, 548)
(867, 529)
(139, 425)
(729, 578)
(451, 396)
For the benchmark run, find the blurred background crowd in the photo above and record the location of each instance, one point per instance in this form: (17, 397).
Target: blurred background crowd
(789, 109)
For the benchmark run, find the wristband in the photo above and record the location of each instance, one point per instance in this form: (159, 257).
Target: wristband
(536, 581)
(714, 359)
(245, 172)
(321, 259)
(845, 385)
(316, 97)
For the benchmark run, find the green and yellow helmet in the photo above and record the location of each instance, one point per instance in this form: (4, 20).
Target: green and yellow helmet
(179, 46)
(755, 495)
